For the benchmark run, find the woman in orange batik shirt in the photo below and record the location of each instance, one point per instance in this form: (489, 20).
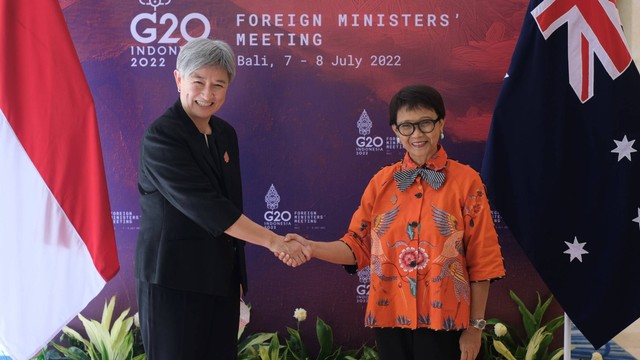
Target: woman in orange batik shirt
(425, 229)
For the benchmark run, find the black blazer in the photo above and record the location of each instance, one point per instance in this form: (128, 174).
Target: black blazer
(188, 199)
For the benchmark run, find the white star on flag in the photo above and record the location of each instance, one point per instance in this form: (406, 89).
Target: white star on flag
(576, 250)
(624, 148)
(638, 218)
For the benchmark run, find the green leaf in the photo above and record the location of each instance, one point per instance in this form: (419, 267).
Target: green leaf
(520, 352)
(103, 353)
(274, 348)
(293, 351)
(75, 335)
(107, 312)
(264, 353)
(508, 339)
(254, 341)
(502, 349)
(295, 344)
(41, 355)
(528, 319)
(96, 335)
(124, 349)
(53, 354)
(121, 337)
(343, 353)
(325, 339)
(120, 328)
(555, 323)
(368, 353)
(557, 354)
(540, 310)
(73, 353)
(534, 343)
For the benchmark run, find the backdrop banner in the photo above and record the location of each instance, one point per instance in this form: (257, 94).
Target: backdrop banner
(310, 106)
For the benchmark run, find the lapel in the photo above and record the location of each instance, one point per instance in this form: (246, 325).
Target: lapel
(224, 174)
(227, 147)
(198, 146)
(212, 163)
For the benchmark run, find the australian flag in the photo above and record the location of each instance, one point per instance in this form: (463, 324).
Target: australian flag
(561, 163)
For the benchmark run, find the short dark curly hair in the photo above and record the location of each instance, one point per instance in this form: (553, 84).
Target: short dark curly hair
(416, 97)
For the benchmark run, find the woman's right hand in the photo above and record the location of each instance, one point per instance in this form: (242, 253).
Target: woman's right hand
(304, 243)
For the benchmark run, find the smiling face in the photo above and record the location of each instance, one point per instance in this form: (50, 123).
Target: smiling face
(420, 146)
(202, 92)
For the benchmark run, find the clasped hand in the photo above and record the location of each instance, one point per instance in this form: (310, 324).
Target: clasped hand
(293, 250)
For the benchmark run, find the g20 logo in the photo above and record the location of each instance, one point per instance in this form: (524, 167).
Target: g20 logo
(275, 215)
(166, 25)
(362, 289)
(369, 142)
(154, 3)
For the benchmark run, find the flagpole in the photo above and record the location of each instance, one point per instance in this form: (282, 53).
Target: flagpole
(567, 337)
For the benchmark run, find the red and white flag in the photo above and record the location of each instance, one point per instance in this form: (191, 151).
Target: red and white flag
(57, 243)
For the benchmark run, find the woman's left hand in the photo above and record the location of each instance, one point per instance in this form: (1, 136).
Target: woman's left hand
(470, 342)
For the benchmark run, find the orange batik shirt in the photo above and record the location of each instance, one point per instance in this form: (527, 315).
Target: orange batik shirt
(424, 246)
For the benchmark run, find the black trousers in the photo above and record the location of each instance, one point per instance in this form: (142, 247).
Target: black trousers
(182, 325)
(419, 344)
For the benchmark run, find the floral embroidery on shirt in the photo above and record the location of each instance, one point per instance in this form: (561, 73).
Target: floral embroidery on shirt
(412, 259)
(409, 231)
(473, 206)
(451, 266)
(447, 225)
(381, 224)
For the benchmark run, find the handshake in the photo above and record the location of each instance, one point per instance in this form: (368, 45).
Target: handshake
(293, 250)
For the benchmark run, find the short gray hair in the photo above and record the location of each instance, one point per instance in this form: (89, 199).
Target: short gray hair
(201, 52)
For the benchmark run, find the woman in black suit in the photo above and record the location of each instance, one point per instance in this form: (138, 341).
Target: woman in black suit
(190, 264)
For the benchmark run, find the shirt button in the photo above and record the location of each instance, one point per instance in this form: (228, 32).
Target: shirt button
(419, 195)
(414, 224)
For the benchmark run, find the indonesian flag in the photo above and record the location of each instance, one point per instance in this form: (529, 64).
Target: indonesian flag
(57, 243)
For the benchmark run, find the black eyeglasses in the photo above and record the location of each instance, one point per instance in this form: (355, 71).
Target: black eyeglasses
(408, 128)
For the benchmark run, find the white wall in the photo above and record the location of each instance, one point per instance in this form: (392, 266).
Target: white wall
(630, 16)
